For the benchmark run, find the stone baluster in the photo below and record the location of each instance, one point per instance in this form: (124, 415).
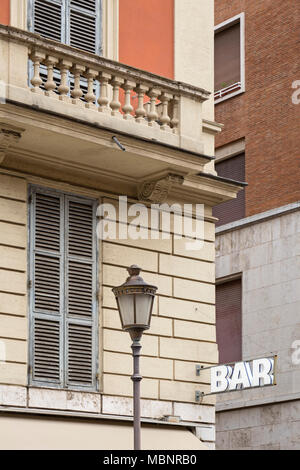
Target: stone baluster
(115, 104)
(77, 93)
(36, 80)
(165, 119)
(140, 112)
(128, 108)
(103, 99)
(175, 115)
(63, 89)
(90, 97)
(153, 114)
(50, 84)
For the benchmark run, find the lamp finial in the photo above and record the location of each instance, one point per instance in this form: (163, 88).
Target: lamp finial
(134, 270)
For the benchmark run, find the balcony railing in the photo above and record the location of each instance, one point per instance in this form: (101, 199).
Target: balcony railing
(64, 79)
(228, 90)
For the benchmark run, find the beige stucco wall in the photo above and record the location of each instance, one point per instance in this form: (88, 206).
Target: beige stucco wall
(194, 54)
(13, 279)
(40, 433)
(182, 332)
(183, 323)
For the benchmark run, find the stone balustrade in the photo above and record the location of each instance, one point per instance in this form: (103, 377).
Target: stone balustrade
(147, 104)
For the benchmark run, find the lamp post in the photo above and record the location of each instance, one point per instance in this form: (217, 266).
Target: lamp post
(135, 300)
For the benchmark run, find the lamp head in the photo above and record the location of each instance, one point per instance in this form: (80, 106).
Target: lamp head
(135, 300)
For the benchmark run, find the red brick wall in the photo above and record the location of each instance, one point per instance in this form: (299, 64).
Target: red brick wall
(265, 114)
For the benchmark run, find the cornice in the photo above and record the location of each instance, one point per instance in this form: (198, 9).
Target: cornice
(9, 136)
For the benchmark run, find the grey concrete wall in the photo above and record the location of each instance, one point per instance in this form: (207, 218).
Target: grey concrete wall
(268, 256)
(269, 427)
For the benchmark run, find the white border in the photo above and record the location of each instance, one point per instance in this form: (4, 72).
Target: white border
(230, 22)
(110, 29)
(18, 14)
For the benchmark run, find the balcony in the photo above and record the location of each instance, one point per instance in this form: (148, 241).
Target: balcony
(67, 105)
(87, 86)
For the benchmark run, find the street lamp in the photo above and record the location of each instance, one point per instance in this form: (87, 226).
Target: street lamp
(135, 300)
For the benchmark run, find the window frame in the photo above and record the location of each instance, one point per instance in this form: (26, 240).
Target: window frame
(221, 27)
(65, 31)
(239, 152)
(63, 317)
(238, 276)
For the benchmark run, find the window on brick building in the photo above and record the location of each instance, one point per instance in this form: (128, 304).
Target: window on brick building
(229, 58)
(63, 286)
(229, 320)
(229, 211)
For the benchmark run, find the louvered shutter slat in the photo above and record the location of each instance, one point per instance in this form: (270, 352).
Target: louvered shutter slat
(48, 19)
(80, 292)
(80, 348)
(46, 365)
(86, 4)
(46, 296)
(47, 227)
(80, 230)
(83, 31)
(80, 289)
(47, 222)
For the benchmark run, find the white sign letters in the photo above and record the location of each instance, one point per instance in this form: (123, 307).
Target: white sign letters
(241, 375)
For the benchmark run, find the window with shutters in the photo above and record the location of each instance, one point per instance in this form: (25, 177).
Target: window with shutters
(229, 320)
(73, 22)
(229, 58)
(229, 211)
(63, 286)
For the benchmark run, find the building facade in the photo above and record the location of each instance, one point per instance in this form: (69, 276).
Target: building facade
(257, 238)
(100, 100)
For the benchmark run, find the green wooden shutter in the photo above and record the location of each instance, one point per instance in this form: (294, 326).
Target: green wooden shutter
(63, 294)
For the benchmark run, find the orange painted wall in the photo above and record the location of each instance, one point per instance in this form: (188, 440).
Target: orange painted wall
(146, 35)
(4, 12)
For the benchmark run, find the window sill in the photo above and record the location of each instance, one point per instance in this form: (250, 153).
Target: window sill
(227, 93)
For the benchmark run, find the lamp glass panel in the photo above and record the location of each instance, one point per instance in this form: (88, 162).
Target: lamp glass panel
(143, 308)
(126, 304)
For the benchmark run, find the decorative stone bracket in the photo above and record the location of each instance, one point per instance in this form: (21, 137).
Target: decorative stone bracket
(9, 136)
(157, 190)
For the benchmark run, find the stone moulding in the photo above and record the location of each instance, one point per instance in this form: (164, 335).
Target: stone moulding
(9, 136)
(157, 191)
